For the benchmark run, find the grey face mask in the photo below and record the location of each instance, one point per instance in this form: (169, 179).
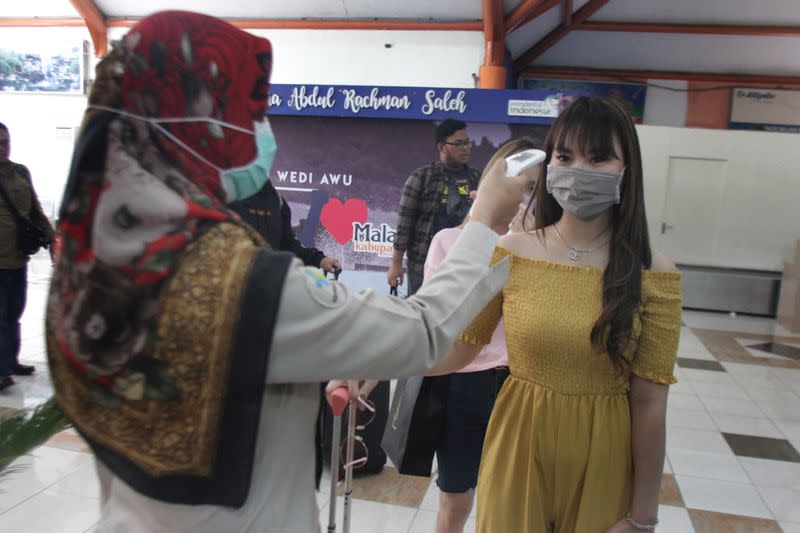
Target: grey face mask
(583, 193)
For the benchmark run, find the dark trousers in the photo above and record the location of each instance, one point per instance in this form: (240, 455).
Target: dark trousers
(13, 289)
(414, 282)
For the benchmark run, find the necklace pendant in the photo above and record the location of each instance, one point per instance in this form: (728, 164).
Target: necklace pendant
(573, 255)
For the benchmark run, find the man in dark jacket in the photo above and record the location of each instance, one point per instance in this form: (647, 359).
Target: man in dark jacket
(269, 214)
(16, 181)
(435, 197)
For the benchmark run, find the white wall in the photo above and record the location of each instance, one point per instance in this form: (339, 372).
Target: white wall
(758, 205)
(428, 59)
(353, 57)
(755, 211)
(33, 119)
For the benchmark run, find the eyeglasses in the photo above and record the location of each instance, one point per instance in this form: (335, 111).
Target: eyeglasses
(462, 145)
(360, 450)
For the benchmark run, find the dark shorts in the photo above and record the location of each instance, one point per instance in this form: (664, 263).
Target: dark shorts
(470, 399)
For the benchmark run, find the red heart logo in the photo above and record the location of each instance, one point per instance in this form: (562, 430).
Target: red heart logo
(338, 219)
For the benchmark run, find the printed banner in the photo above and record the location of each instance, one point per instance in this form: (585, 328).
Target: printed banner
(630, 94)
(343, 177)
(765, 110)
(417, 103)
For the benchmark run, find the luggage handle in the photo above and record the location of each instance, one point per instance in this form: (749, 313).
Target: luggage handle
(338, 400)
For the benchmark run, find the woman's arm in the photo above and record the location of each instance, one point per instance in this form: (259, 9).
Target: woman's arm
(648, 404)
(459, 356)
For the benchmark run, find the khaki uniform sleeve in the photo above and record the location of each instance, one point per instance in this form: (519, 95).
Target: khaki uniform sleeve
(324, 330)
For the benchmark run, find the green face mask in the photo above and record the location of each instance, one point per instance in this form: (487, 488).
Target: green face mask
(242, 182)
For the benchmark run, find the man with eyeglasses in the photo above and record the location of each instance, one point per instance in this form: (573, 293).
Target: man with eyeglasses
(435, 197)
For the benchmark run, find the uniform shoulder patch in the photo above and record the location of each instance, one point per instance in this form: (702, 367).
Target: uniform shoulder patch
(321, 289)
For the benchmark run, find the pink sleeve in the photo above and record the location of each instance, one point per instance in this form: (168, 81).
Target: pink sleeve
(440, 245)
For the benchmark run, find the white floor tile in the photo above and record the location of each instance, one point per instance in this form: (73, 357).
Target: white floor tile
(724, 322)
(681, 387)
(667, 466)
(425, 522)
(772, 474)
(731, 406)
(697, 440)
(722, 497)
(684, 401)
(720, 390)
(696, 352)
(787, 411)
(745, 370)
(431, 500)
(790, 527)
(762, 388)
(724, 467)
(48, 512)
(83, 483)
(695, 375)
(746, 425)
(784, 504)
(790, 429)
(322, 497)
(368, 516)
(688, 418)
(792, 382)
(776, 396)
(674, 519)
(38, 471)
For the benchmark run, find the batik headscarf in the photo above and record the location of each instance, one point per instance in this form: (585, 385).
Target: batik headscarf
(140, 194)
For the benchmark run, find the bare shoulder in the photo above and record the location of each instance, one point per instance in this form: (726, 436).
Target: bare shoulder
(662, 263)
(523, 243)
(512, 241)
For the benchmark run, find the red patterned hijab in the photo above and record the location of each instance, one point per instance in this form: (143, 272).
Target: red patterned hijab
(136, 199)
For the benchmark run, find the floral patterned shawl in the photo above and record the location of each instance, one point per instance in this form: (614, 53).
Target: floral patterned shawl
(151, 398)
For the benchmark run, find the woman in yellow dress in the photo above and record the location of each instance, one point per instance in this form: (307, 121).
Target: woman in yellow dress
(592, 315)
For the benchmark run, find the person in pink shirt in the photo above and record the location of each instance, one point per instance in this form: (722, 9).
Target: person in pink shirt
(471, 391)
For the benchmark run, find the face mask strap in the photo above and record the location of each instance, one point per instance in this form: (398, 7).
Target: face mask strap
(156, 122)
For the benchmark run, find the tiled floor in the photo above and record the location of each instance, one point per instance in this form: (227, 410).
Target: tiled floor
(733, 445)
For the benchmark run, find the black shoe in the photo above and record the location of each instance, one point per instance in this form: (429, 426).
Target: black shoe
(23, 370)
(5, 382)
(367, 471)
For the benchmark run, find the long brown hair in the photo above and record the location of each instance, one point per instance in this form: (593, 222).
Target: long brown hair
(591, 124)
(511, 147)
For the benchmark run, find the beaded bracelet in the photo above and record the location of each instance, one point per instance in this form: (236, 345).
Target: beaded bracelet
(641, 527)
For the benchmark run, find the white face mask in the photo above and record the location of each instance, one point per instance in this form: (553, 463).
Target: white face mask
(583, 193)
(240, 182)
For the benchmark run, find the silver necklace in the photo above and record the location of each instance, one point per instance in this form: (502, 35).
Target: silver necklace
(575, 253)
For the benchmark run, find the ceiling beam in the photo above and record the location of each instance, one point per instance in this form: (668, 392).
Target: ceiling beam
(319, 24)
(493, 73)
(593, 74)
(567, 13)
(95, 22)
(41, 22)
(528, 10)
(494, 32)
(549, 40)
(697, 29)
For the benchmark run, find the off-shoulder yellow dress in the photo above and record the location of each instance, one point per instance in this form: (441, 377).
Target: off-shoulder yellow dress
(557, 454)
